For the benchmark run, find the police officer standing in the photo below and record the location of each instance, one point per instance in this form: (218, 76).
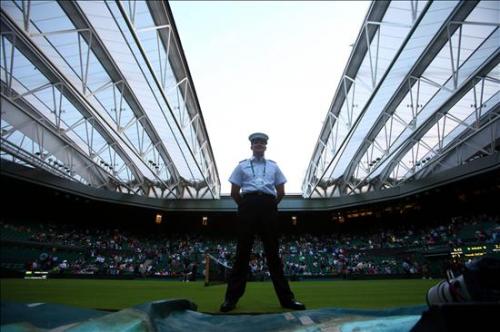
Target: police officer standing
(258, 185)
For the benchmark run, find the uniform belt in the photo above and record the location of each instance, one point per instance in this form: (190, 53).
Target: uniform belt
(257, 193)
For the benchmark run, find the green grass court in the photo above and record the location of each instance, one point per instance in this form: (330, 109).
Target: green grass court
(259, 296)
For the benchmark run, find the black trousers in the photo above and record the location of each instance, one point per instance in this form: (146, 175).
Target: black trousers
(257, 216)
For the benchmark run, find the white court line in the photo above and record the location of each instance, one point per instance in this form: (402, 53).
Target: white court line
(31, 305)
(306, 320)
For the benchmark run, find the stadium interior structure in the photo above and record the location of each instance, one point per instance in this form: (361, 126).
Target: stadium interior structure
(101, 127)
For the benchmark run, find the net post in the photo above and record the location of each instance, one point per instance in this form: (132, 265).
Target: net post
(207, 269)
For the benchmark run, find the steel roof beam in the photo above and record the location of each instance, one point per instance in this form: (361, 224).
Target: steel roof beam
(399, 151)
(78, 18)
(460, 13)
(311, 180)
(38, 58)
(396, 71)
(30, 51)
(162, 15)
(211, 180)
(484, 140)
(439, 103)
(375, 14)
(32, 124)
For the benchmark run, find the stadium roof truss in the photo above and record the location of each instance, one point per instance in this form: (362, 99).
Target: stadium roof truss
(99, 92)
(420, 94)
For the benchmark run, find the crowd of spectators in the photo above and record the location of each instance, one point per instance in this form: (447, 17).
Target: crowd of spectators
(67, 249)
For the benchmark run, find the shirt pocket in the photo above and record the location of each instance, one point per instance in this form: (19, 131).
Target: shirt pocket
(246, 173)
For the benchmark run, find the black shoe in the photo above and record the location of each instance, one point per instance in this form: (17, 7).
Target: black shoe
(227, 306)
(294, 305)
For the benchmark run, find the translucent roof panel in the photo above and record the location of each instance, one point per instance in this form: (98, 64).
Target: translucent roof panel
(92, 87)
(437, 64)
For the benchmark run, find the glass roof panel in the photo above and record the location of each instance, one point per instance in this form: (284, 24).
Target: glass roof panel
(106, 126)
(388, 39)
(111, 119)
(71, 53)
(450, 129)
(139, 80)
(26, 77)
(367, 152)
(422, 35)
(432, 105)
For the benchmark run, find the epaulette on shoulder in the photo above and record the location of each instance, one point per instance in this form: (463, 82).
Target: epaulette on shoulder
(271, 161)
(243, 160)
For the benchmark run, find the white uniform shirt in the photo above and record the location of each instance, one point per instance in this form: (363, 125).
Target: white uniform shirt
(257, 174)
